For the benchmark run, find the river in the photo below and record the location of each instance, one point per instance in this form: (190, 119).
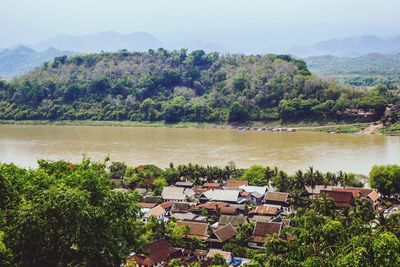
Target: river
(24, 144)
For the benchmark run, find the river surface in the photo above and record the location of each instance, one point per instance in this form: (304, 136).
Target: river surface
(24, 144)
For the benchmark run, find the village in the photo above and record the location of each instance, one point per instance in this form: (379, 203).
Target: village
(214, 213)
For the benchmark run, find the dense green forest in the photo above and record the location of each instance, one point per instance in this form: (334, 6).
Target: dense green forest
(65, 214)
(366, 70)
(181, 86)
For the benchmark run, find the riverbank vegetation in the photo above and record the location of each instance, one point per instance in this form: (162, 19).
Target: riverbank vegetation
(178, 86)
(65, 214)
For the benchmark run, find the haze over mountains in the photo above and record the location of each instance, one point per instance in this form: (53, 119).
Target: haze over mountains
(21, 59)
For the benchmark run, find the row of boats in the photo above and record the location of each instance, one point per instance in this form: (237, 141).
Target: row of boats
(265, 129)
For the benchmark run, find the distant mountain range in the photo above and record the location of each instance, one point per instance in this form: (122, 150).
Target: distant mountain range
(102, 41)
(350, 47)
(366, 70)
(17, 61)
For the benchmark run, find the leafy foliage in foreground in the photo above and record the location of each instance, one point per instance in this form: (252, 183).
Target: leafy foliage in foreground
(178, 86)
(63, 214)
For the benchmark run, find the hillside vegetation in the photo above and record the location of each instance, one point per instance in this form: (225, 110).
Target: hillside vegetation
(367, 70)
(180, 86)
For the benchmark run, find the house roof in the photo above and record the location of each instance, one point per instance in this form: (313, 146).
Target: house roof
(188, 217)
(167, 205)
(147, 205)
(151, 199)
(197, 229)
(373, 196)
(257, 195)
(259, 189)
(236, 183)
(184, 184)
(180, 207)
(235, 220)
(341, 198)
(276, 196)
(224, 233)
(158, 251)
(222, 195)
(173, 192)
(228, 210)
(356, 193)
(225, 254)
(317, 188)
(212, 205)
(266, 210)
(156, 211)
(212, 185)
(264, 229)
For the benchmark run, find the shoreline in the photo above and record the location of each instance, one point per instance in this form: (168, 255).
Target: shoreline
(276, 126)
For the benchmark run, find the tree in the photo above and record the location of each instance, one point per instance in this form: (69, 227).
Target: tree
(117, 170)
(255, 175)
(175, 263)
(386, 179)
(159, 184)
(237, 113)
(218, 261)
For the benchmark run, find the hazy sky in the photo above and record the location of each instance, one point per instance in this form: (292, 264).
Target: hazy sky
(30, 21)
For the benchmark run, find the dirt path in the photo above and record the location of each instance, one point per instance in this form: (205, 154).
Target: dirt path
(372, 129)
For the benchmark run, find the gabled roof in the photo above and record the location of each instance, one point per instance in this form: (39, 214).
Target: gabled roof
(212, 205)
(265, 210)
(228, 210)
(222, 195)
(342, 198)
(188, 217)
(259, 189)
(235, 220)
(212, 185)
(223, 233)
(158, 251)
(276, 196)
(197, 229)
(373, 196)
(156, 211)
(264, 229)
(236, 183)
(147, 205)
(173, 192)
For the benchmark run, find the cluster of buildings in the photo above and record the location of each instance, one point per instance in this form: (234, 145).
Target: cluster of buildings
(213, 212)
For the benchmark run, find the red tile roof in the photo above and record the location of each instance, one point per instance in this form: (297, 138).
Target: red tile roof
(224, 233)
(196, 229)
(212, 205)
(228, 210)
(158, 251)
(373, 196)
(342, 198)
(236, 183)
(167, 205)
(212, 185)
(263, 229)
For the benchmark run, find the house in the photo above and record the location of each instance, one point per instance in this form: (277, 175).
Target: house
(189, 217)
(261, 231)
(225, 254)
(158, 254)
(157, 212)
(265, 210)
(174, 194)
(197, 230)
(229, 196)
(231, 184)
(221, 235)
(212, 185)
(184, 184)
(234, 220)
(373, 197)
(343, 199)
(279, 199)
(211, 207)
(316, 189)
(167, 205)
(180, 207)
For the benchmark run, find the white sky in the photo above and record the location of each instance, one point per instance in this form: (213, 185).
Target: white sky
(30, 21)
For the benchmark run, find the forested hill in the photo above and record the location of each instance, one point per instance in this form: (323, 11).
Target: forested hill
(178, 86)
(366, 70)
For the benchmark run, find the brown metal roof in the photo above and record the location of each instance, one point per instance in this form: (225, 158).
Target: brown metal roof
(196, 229)
(158, 251)
(224, 233)
(267, 210)
(263, 229)
(276, 196)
